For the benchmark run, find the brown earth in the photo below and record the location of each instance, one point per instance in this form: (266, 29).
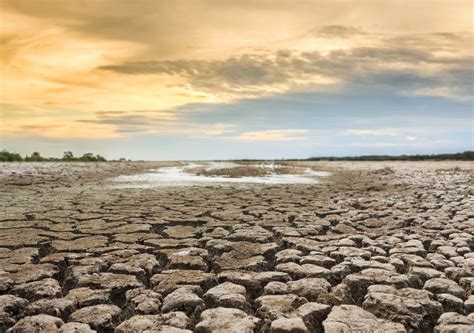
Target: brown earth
(378, 247)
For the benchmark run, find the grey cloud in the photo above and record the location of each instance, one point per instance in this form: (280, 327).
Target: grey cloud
(452, 42)
(133, 121)
(167, 28)
(139, 122)
(250, 73)
(132, 118)
(336, 31)
(245, 70)
(125, 120)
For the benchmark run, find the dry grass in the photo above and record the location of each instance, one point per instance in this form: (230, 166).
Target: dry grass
(289, 171)
(235, 172)
(245, 170)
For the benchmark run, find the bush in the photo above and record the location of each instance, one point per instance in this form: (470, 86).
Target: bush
(35, 157)
(6, 156)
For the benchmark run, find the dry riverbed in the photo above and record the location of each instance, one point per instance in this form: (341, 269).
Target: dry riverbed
(371, 247)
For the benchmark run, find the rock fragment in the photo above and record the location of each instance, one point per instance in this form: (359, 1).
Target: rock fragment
(100, 317)
(38, 323)
(351, 318)
(219, 320)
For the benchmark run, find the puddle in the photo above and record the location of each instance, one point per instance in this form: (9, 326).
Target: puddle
(178, 176)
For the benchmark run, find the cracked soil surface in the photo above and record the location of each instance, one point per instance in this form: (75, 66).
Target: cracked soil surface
(377, 247)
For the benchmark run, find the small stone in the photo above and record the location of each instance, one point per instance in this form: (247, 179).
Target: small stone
(272, 307)
(12, 304)
(174, 322)
(469, 304)
(289, 325)
(36, 290)
(143, 301)
(275, 288)
(313, 315)
(57, 307)
(184, 299)
(351, 318)
(444, 286)
(227, 295)
(304, 271)
(413, 308)
(453, 322)
(73, 327)
(123, 268)
(450, 303)
(175, 278)
(38, 323)
(228, 320)
(30, 273)
(425, 273)
(319, 260)
(85, 296)
(99, 317)
(5, 283)
(116, 282)
(310, 288)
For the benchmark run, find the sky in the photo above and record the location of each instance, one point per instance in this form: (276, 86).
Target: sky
(221, 79)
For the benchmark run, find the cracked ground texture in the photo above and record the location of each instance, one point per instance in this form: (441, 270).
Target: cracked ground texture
(378, 247)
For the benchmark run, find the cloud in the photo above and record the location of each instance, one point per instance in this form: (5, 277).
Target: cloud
(159, 122)
(58, 131)
(272, 135)
(381, 132)
(377, 144)
(132, 118)
(336, 31)
(408, 69)
(398, 138)
(242, 75)
(200, 70)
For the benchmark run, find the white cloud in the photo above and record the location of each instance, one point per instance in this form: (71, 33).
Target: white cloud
(272, 135)
(365, 132)
(377, 144)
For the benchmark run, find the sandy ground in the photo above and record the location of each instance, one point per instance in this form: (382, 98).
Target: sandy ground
(29, 173)
(384, 247)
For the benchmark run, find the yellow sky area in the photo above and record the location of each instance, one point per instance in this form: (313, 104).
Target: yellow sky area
(51, 50)
(58, 129)
(51, 67)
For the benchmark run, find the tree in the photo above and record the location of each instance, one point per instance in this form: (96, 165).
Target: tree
(35, 157)
(68, 156)
(100, 158)
(6, 156)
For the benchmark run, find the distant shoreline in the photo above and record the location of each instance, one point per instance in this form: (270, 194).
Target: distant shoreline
(464, 156)
(6, 156)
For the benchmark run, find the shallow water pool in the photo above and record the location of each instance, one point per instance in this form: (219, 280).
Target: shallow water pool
(178, 176)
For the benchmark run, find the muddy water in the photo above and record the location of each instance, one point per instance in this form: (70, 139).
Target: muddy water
(179, 176)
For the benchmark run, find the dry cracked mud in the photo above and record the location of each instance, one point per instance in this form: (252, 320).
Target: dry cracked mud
(378, 247)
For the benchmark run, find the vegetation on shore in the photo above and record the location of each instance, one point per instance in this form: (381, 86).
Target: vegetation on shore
(464, 156)
(6, 156)
(232, 172)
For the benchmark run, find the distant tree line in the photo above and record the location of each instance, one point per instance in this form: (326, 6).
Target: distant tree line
(68, 156)
(464, 156)
(6, 156)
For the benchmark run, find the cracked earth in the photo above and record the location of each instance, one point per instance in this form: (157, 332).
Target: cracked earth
(377, 247)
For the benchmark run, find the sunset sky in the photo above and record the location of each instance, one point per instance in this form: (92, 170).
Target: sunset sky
(150, 79)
